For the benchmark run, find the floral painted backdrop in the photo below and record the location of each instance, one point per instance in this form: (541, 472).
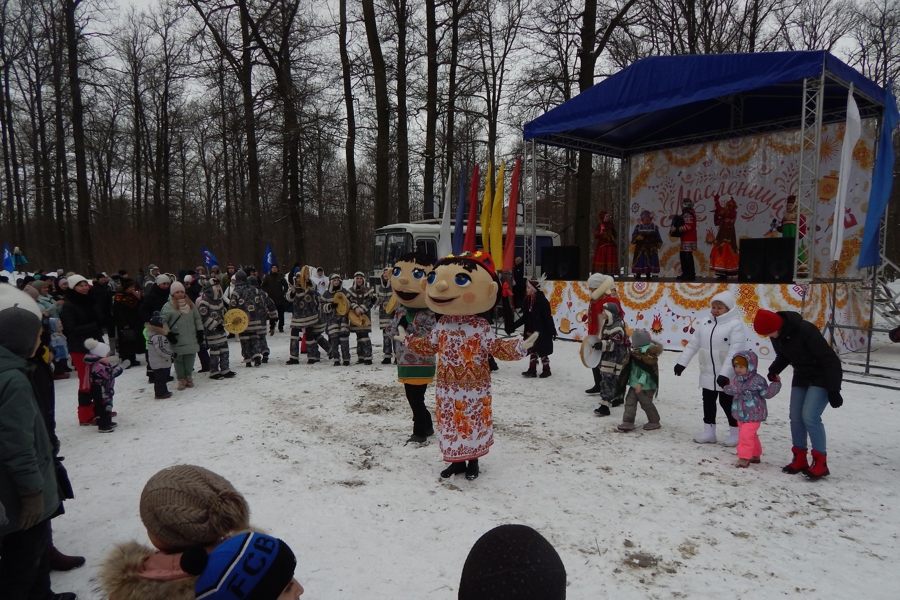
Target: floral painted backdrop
(759, 172)
(671, 311)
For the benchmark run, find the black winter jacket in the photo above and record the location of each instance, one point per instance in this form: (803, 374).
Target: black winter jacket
(536, 316)
(275, 285)
(81, 320)
(153, 301)
(801, 345)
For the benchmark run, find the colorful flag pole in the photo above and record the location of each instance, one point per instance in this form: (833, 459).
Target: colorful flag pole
(882, 181)
(445, 243)
(496, 249)
(509, 250)
(8, 263)
(458, 233)
(471, 226)
(486, 210)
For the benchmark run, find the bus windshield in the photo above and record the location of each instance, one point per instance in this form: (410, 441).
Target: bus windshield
(389, 247)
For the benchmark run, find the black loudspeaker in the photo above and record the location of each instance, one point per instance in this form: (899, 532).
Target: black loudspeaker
(767, 260)
(561, 262)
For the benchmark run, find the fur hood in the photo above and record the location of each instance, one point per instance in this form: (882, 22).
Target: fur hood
(151, 329)
(122, 576)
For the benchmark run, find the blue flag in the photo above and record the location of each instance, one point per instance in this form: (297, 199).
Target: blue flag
(8, 263)
(882, 180)
(209, 259)
(459, 233)
(268, 259)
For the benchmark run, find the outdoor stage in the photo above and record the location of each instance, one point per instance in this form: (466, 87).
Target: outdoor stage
(671, 309)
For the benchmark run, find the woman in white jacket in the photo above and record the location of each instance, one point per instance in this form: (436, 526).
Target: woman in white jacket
(717, 339)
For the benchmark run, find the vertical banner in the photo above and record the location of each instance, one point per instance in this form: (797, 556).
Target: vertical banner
(472, 224)
(445, 244)
(8, 263)
(458, 233)
(496, 248)
(268, 259)
(509, 250)
(851, 136)
(486, 206)
(209, 258)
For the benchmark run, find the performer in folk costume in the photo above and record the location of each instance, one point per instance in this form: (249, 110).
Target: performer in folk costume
(211, 307)
(338, 327)
(647, 242)
(249, 299)
(723, 260)
(307, 318)
(684, 226)
(383, 289)
(614, 346)
(602, 290)
(460, 288)
(536, 317)
(271, 314)
(362, 298)
(412, 314)
(606, 256)
(789, 229)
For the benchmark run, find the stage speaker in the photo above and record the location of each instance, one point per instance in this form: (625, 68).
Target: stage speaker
(561, 262)
(767, 260)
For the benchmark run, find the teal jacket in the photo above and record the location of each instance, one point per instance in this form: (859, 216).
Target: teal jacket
(186, 327)
(26, 454)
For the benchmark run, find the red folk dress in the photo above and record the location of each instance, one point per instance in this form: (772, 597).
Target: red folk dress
(723, 259)
(463, 381)
(606, 255)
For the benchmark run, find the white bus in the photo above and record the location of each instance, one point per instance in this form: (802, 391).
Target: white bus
(393, 241)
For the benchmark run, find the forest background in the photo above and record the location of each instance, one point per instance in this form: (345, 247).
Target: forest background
(135, 133)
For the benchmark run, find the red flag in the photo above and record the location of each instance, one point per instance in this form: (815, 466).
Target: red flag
(509, 250)
(469, 243)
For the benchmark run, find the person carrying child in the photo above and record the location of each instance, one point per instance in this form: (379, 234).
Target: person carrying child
(750, 391)
(159, 356)
(643, 381)
(104, 370)
(718, 339)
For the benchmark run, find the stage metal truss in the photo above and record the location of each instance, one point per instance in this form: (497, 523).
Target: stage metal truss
(529, 212)
(622, 214)
(808, 184)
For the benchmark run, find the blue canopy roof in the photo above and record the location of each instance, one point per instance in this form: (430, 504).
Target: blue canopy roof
(668, 101)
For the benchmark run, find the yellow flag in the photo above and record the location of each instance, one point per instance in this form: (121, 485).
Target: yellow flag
(486, 212)
(497, 220)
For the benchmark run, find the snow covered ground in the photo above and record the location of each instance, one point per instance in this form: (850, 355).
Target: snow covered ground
(319, 453)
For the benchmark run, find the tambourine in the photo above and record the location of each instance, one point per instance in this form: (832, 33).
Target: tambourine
(341, 303)
(590, 357)
(391, 305)
(236, 321)
(356, 320)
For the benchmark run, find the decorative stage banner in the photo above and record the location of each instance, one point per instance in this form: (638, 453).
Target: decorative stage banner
(671, 311)
(758, 173)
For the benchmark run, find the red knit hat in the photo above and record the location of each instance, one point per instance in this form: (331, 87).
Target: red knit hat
(766, 322)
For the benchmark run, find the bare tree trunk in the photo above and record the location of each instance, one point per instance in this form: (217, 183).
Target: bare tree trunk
(62, 201)
(350, 145)
(402, 13)
(250, 131)
(78, 142)
(431, 106)
(382, 118)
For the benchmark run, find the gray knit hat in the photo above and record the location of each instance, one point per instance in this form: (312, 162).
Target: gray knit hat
(640, 338)
(186, 505)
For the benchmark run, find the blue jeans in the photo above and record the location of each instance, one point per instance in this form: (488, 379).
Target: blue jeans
(807, 406)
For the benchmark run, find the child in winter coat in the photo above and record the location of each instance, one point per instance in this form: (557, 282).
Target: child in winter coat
(181, 507)
(185, 333)
(643, 381)
(60, 348)
(750, 391)
(613, 346)
(104, 370)
(718, 340)
(536, 316)
(159, 356)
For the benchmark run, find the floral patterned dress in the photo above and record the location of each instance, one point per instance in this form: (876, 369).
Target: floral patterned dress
(463, 381)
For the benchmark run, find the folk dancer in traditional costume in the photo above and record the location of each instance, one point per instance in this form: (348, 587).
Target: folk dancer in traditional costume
(362, 299)
(647, 242)
(249, 299)
(723, 260)
(211, 306)
(684, 226)
(306, 318)
(414, 371)
(338, 327)
(460, 288)
(271, 314)
(606, 254)
(602, 289)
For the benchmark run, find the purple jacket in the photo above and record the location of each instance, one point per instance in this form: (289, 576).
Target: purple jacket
(750, 392)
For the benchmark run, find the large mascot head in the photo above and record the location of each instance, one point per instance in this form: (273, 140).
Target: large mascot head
(465, 284)
(408, 279)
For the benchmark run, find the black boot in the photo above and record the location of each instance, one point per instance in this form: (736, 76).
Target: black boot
(493, 363)
(454, 469)
(472, 470)
(602, 411)
(597, 380)
(545, 373)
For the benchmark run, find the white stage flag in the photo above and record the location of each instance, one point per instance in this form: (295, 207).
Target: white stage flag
(445, 239)
(851, 136)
